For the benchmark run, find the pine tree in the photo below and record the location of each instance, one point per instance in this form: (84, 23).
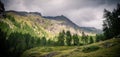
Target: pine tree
(38, 41)
(111, 24)
(84, 38)
(75, 39)
(3, 44)
(61, 38)
(91, 40)
(68, 38)
(2, 10)
(43, 41)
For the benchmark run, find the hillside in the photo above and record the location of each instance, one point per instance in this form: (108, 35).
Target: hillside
(20, 22)
(108, 48)
(25, 30)
(46, 26)
(66, 22)
(91, 29)
(69, 23)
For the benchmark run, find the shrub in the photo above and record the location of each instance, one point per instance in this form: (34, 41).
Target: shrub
(90, 49)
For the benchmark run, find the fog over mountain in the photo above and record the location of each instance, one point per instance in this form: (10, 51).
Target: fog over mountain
(88, 13)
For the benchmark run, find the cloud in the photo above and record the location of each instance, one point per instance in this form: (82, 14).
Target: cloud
(82, 12)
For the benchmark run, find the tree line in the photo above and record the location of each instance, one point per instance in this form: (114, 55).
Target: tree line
(16, 43)
(67, 39)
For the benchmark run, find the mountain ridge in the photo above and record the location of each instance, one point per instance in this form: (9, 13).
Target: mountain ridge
(63, 19)
(86, 29)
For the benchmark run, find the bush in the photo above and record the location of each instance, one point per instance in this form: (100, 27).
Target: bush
(90, 49)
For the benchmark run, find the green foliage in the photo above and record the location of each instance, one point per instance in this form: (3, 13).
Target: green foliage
(2, 10)
(91, 40)
(26, 27)
(3, 44)
(38, 41)
(90, 49)
(19, 42)
(5, 26)
(12, 19)
(99, 37)
(68, 38)
(84, 38)
(75, 39)
(61, 38)
(65, 38)
(43, 41)
(51, 42)
(73, 51)
(111, 24)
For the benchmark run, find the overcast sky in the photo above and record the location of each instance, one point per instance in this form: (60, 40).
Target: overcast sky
(82, 12)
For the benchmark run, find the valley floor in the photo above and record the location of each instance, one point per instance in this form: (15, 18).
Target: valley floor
(108, 48)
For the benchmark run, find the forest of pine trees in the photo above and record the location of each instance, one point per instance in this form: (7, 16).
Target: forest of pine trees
(65, 38)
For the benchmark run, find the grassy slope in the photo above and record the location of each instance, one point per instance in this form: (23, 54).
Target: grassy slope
(36, 24)
(108, 48)
(26, 24)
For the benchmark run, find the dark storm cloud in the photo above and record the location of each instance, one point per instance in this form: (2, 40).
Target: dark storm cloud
(82, 12)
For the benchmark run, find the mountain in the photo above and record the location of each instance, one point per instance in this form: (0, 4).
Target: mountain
(91, 29)
(63, 23)
(25, 30)
(25, 22)
(48, 25)
(68, 22)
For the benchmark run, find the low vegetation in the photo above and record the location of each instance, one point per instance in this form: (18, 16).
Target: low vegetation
(93, 50)
(90, 49)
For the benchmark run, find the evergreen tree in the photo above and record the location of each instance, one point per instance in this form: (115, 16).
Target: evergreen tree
(111, 24)
(68, 38)
(61, 38)
(3, 44)
(75, 39)
(49, 42)
(27, 40)
(84, 38)
(91, 40)
(38, 41)
(43, 41)
(2, 10)
(97, 38)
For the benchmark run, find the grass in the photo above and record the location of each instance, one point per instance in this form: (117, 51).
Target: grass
(99, 49)
(24, 24)
(90, 49)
